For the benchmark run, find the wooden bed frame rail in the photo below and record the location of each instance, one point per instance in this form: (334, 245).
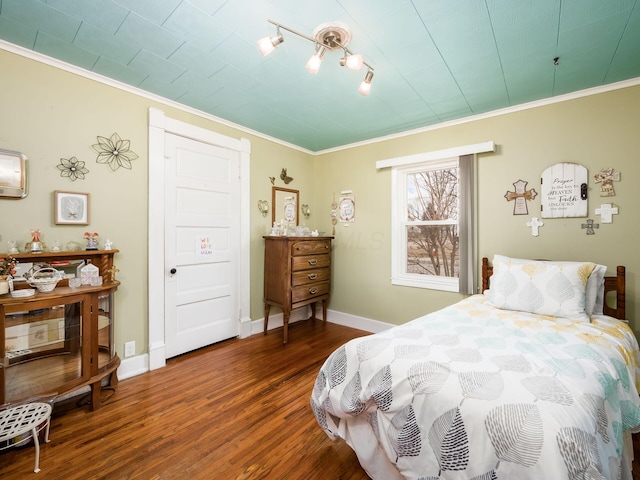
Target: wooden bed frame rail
(611, 285)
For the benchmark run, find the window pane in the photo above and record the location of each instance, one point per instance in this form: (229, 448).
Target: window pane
(433, 250)
(432, 195)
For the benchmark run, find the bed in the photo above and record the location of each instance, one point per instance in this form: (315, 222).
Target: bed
(534, 378)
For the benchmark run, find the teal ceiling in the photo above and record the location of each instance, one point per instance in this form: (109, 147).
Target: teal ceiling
(434, 60)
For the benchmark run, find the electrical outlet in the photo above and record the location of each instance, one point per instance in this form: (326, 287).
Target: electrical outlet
(129, 349)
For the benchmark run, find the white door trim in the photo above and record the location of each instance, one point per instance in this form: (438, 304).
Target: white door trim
(159, 124)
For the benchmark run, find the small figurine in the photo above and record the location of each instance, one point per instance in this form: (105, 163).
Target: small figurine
(55, 246)
(107, 244)
(13, 247)
(72, 246)
(36, 245)
(92, 240)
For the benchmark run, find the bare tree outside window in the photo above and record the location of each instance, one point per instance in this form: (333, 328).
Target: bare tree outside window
(432, 223)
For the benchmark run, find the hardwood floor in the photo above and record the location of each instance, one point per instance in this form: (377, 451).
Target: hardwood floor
(236, 410)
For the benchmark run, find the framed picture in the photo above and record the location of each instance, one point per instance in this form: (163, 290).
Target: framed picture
(284, 205)
(347, 208)
(71, 208)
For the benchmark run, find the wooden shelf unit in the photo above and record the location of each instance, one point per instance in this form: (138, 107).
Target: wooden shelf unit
(69, 341)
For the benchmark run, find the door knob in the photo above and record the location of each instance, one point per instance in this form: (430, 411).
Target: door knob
(173, 271)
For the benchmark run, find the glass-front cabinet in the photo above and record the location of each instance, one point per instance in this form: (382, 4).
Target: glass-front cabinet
(60, 341)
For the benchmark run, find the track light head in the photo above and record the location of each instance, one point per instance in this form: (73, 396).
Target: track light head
(353, 61)
(365, 86)
(313, 64)
(267, 45)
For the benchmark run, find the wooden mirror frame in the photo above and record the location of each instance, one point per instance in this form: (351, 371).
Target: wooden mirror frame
(279, 199)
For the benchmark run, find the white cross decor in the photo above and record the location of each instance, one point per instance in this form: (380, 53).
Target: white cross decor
(534, 223)
(606, 212)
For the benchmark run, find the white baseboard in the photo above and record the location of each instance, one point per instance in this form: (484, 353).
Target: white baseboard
(276, 320)
(339, 318)
(361, 323)
(132, 366)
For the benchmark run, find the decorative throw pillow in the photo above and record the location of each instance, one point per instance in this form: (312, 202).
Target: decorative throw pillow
(546, 288)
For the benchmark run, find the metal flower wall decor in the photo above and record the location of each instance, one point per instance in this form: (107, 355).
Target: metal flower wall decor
(72, 168)
(114, 152)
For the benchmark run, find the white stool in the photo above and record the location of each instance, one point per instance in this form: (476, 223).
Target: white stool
(22, 419)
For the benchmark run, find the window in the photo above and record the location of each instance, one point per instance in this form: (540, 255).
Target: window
(432, 232)
(409, 266)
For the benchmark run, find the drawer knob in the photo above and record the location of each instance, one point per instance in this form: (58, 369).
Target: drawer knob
(313, 261)
(313, 291)
(312, 276)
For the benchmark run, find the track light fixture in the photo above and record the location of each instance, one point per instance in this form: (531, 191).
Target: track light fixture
(326, 37)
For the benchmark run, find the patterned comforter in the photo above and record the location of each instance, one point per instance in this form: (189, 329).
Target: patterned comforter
(475, 392)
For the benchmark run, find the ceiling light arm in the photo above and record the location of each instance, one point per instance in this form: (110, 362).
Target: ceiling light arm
(291, 30)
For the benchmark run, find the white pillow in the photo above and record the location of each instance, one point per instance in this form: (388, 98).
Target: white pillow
(594, 292)
(545, 288)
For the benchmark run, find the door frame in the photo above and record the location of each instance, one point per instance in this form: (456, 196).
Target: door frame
(159, 125)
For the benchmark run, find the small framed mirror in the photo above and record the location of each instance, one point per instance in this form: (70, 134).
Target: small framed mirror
(13, 174)
(284, 205)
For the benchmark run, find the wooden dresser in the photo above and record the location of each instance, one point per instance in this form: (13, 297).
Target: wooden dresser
(297, 272)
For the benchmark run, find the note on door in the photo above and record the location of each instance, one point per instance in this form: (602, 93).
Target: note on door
(204, 246)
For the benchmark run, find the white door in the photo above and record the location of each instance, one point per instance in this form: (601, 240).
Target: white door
(202, 237)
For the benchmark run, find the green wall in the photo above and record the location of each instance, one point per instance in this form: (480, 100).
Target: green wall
(50, 114)
(597, 131)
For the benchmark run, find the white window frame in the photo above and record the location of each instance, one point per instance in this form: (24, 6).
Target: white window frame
(399, 222)
(398, 232)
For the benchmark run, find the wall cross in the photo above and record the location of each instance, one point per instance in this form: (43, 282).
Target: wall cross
(606, 212)
(590, 226)
(521, 195)
(534, 223)
(606, 177)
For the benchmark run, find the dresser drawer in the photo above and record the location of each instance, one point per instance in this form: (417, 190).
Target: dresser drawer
(307, 262)
(305, 292)
(310, 276)
(311, 247)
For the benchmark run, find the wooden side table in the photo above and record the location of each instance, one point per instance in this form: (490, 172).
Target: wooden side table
(22, 419)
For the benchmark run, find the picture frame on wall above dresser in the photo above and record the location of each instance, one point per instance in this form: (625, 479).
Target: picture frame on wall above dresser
(285, 205)
(70, 208)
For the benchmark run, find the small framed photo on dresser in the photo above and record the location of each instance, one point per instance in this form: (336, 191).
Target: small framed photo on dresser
(70, 208)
